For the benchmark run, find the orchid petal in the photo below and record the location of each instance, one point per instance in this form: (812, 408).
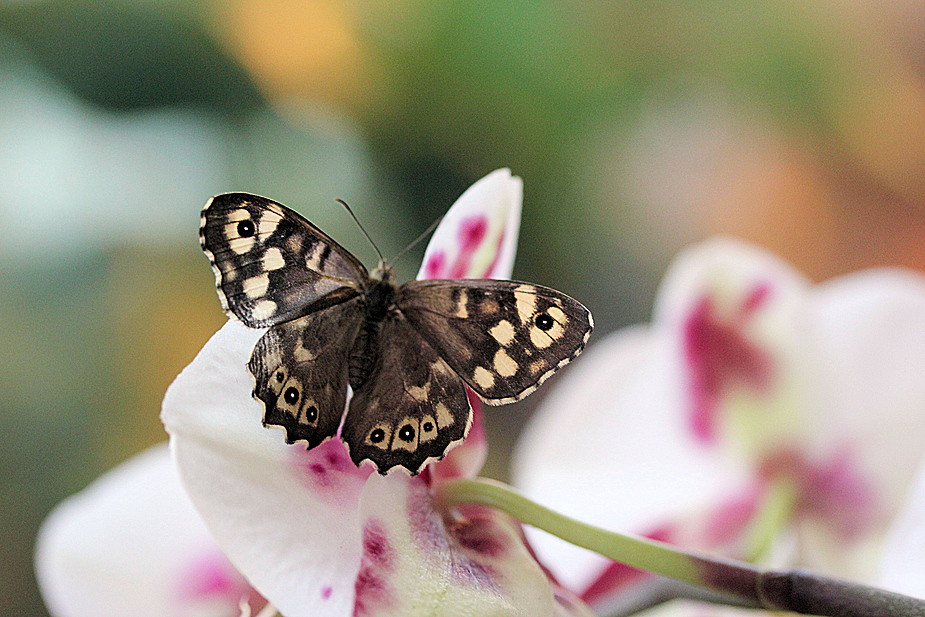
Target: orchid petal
(477, 237)
(903, 565)
(606, 446)
(286, 517)
(870, 327)
(418, 563)
(132, 544)
(734, 314)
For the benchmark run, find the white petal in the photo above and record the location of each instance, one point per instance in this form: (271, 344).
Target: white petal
(478, 236)
(132, 544)
(903, 565)
(870, 328)
(286, 517)
(609, 446)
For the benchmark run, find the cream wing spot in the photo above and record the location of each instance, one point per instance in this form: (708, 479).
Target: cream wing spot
(504, 364)
(557, 314)
(268, 222)
(419, 393)
(462, 306)
(483, 377)
(503, 332)
(304, 354)
(256, 286)
(273, 259)
(242, 246)
(263, 309)
(444, 417)
(525, 299)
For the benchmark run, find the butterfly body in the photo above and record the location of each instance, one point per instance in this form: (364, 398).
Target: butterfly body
(406, 351)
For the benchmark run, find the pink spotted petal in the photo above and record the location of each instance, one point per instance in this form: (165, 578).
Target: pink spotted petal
(478, 236)
(132, 544)
(736, 317)
(286, 517)
(419, 561)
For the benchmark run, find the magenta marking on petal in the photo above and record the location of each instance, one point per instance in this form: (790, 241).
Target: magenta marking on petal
(718, 356)
(372, 590)
(328, 472)
(836, 491)
(476, 533)
(435, 265)
(731, 518)
(211, 578)
(756, 298)
(490, 271)
(326, 592)
(472, 232)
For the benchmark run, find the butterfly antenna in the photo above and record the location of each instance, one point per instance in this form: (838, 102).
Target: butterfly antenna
(417, 240)
(357, 221)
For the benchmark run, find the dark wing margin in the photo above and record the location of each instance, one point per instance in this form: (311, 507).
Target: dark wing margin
(411, 410)
(503, 338)
(271, 265)
(301, 372)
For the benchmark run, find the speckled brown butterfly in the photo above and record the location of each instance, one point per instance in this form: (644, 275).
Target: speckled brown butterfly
(406, 351)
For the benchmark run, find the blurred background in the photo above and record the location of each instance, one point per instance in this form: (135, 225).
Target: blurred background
(637, 127)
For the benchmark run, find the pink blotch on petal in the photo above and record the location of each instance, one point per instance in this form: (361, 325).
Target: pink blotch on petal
(371, 588)
(211, 577)
(326, 592)
(490, 271)
(836, 491)
(719, 355)
(435, 265)
(471, 233)
(328, 472)
(730, 519)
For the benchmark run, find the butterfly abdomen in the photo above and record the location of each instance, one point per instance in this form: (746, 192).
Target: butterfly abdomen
(378, 301)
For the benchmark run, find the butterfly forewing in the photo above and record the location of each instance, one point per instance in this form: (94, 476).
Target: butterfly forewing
(503, 338)
(412, 409)
(301, 372)
(271, 265)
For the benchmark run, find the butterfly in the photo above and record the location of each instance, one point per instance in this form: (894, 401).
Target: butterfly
(407, 352)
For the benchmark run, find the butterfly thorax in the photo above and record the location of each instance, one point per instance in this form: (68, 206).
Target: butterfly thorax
(380, 294)
(378, 301)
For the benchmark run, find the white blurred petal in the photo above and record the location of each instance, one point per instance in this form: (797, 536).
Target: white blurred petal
(286, 517)
(132, 544)
(609, 447)
(477, 237)
(903, 566)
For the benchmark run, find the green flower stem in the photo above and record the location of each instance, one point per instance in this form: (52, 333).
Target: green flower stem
(741, 583)
(774, 511)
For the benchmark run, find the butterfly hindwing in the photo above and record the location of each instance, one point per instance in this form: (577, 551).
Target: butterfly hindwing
(301, 372)
(411, 409)
(270, 264)
(503, 338)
